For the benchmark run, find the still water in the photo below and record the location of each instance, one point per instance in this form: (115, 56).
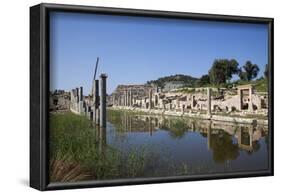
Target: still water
(176, 145)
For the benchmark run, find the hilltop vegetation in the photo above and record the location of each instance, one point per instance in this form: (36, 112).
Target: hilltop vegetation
(184, 79)
(221, 74)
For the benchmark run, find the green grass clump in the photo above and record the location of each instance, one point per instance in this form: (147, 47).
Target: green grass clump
(76, 154)
(73, 141)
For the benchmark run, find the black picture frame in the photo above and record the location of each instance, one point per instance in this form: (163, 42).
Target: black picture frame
(39, 90)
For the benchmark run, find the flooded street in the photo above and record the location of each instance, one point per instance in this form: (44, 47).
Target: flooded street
(180, 146)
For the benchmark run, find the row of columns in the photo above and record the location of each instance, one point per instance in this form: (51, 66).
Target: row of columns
(127, 100)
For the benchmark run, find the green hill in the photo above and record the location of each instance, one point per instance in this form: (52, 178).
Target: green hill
(179, 78)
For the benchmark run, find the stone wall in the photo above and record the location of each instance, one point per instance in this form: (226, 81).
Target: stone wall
(224, 101)
(59, 100)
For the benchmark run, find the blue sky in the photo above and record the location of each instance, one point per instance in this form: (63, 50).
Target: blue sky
(133, 50)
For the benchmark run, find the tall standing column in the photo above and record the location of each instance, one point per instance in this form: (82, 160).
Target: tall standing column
(150, 99)
(103, 100)
(125, 98)
(209, 103)
(96, 102)
(131, 97)
(240, 96)
(192, 101)
(81, 100)
(77, 94)
(77, 100)
(118, 100)
(250, 106)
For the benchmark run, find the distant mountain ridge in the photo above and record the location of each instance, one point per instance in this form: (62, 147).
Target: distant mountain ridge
(186, 80)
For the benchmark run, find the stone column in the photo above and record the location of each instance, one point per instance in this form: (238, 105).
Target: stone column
(97, 116)
(103, 100)
(131, 97)
(240, 99)
(209, 103)
(81, 100)
(250, 104)
(102, 139)
(192, 101)
(89, 112)
(77, 94)
(128, 98)
(96, 94)
(150, 99)
(125, 98)
(81, 93)
(156, 100)
(77, 99)
(120, 100)
(96, 102)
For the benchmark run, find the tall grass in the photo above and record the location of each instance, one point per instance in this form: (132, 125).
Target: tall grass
(76, 155)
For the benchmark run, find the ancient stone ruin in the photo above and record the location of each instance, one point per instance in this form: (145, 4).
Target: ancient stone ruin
(239, 104)
(94, 105)
(239, 101)
(59, 100)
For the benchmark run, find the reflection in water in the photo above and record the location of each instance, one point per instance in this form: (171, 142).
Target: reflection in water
(200, 144)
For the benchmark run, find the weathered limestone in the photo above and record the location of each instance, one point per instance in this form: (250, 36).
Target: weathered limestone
(192, 102)
(209, 111)
(119, 101)
(131, 98)
(81, 100)
(250, 103)
(81, 93)
(150, 99)
(126, 98)
(240, 91)
(240, 94)
(103, 100)
(77, 95)
(156, 99)
(89, 111)
(86, 110)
